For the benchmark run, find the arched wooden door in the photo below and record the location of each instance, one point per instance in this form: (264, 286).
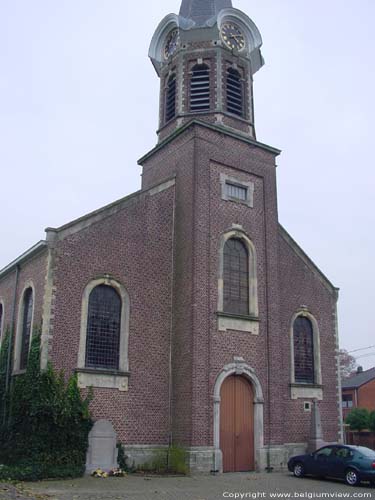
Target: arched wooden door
(237, 425)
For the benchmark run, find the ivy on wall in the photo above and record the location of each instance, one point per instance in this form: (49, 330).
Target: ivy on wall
(45, 424)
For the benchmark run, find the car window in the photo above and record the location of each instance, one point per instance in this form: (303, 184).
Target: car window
(324, 452)
(343, 453)
(365, 452)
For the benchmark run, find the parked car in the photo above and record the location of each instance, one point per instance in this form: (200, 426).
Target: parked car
(351, 463)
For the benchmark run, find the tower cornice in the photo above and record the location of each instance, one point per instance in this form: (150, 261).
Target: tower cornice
(216, 128)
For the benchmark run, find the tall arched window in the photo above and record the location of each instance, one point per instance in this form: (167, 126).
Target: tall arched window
(27, 317)
(103, 329)
(236, 277)
(1, 320)
(235, 92)
(303, 340)
(200, 89)
(170, 98)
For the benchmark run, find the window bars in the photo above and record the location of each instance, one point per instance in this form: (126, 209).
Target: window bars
(235, 93)
(103, 329)
(236, 192)
(200, 100)
(27, 314)
(170, 101)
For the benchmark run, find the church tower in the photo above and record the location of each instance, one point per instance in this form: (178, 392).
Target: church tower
(206, 58)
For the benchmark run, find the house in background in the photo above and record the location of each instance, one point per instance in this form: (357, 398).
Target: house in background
(358, 391)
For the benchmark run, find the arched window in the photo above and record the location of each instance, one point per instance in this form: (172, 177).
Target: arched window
(103, 329)
(170, 98)
(26, 327)
(1, 320)
(303, 341)
(235, 92)
(200, 89)
(236, 277)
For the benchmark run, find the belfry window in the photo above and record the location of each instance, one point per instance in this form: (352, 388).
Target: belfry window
(236, 277)
(103, 329)
(303, 338)
(170, 98)
(27, 316)
(200, 99)
(235, 93)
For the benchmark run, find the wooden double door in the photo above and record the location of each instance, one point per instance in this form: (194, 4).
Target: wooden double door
(237, 425)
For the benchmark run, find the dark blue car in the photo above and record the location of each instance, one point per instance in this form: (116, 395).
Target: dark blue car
(351, 463)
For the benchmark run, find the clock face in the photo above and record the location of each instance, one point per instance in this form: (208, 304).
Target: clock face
(233, 36)
(172, 43)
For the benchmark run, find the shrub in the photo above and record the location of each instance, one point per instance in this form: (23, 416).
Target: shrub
(358, 419)
(178, 460)
(46, 429)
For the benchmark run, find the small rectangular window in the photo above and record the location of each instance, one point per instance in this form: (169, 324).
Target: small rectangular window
(236, 192)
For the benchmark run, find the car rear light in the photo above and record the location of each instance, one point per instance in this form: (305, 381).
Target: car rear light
(373, 465)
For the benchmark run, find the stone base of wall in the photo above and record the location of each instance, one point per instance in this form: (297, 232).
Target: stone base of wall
(280, 455)
(140, 455)
(207, 460)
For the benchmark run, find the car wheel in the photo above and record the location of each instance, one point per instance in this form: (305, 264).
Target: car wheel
(298, 470)
(351, 477)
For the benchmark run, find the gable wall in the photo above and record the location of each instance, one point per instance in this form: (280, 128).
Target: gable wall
(299, 286)
(133, 246)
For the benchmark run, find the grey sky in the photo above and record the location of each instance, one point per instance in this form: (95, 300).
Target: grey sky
(74, 74)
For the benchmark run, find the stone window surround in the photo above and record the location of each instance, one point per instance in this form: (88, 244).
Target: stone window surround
(2, 322)
(21, 308)
(227, 321)
(300, 390)
(110, 379)
(249, 186)
(241, 368)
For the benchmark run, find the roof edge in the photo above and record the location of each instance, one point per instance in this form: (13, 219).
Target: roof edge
(308, 261)
(31, 252)
(102, 213)
(216, 128)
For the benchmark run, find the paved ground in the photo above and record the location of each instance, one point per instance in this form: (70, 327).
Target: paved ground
(252, 486)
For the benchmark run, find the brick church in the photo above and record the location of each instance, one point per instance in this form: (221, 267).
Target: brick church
(193, 314)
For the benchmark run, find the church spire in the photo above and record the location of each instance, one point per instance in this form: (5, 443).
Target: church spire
(200, 11)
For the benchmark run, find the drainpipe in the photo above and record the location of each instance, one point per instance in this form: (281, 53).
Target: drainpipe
(170, 443)
(10, 348)
(269, 468)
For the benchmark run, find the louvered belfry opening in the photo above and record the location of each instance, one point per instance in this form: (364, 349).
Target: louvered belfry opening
(303, 351)
(235, 92)
(200, 99)
(103, 329)
(170, 100)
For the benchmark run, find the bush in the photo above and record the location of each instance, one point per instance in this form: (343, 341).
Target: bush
(178, 460)
(358, 419)
(38, 472)
(46, 428)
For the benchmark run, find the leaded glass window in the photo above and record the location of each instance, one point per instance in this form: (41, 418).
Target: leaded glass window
(304, 351)
(27, 316)
(236, 277)
(1, 319)
(103, 329)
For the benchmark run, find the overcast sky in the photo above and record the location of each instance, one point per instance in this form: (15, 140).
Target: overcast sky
(79, 106)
